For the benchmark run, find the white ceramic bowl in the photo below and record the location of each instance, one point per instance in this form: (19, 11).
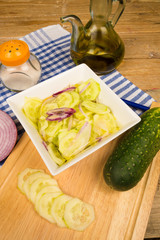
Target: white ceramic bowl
(124, 115)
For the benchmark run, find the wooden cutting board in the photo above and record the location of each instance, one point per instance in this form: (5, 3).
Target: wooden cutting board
(119, 215)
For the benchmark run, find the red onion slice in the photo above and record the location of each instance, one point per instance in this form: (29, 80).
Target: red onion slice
(59, 114)
(61, 111)
(47, 100)
(64, 90)
(45, 145)
(83, 89)
(82, 129)
(8, 135)
(56, 117)
(81, 110)
(99, 139)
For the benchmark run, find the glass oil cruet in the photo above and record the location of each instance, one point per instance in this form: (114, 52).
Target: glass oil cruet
(97, 44)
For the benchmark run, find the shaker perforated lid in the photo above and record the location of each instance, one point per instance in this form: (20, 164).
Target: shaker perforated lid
(14, 53)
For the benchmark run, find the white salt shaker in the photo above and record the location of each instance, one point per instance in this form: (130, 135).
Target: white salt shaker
(19, 68)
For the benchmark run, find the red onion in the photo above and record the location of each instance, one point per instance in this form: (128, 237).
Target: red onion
(61, 111)
(64, 90)
(59, 114)
(81, 110)
(47, 100)
(57, 117)
(99, 139)
(83, 89)
(82, 129)
(8, 135)
(45, 145)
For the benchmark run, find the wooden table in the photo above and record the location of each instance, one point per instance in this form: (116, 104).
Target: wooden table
(138, 27)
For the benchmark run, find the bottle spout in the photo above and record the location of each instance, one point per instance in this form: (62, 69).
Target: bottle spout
(74, 20)
(77, 25)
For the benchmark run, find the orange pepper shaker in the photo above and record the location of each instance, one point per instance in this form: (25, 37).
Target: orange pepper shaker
(19, 68)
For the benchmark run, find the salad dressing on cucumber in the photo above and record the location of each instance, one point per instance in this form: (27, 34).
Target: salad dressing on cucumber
(71, 120)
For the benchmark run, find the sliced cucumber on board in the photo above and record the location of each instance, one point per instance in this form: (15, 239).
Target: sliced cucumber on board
(27, 184)
(24, 175)
(38, 184)
(58, 208)
(51, 203)
(78, 215)
(45, 190)
(44, 205)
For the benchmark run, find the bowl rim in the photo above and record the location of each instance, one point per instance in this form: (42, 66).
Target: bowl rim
(14, 103)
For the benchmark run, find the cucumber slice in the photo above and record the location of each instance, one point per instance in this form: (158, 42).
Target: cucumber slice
(45, 190)
(58, 207)
(47, 105)
(38, 184)
(104, 124)
(89, 89)
(78, 215)
(24, 175)
(76, 99)
(55, 155)
(52, 130)
(73, 143)
(64, 99)
(31, 179)
(95, 107)
(31, 108)
(45, 203)
(41, 126)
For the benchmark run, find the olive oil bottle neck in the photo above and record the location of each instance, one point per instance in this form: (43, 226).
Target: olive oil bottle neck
(100, 10)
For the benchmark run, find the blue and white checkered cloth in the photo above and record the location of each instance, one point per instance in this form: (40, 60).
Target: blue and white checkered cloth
(52, 47)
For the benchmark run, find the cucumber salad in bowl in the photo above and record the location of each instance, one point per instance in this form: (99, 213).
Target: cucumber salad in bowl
(71, 120)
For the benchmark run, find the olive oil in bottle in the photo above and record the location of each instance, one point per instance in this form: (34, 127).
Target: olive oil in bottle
(97, 44)
(102, 51)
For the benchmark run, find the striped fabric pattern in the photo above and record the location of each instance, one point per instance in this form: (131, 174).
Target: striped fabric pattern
(52, 47)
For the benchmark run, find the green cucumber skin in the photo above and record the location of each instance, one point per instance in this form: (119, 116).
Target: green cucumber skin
(134, 153)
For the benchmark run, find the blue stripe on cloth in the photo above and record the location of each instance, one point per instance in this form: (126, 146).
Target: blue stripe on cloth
(138, 96)
(28, 42)
(52, 43)
(123, 89)
(109, 75)
(112, 78)
(55, 69)
(33, 39)
(59, 50)
(45, 35)
(120, 85)
(147, 99)
(54, 56)
(39, 36)
(133, 89)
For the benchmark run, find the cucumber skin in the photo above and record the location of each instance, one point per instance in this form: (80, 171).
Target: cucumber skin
(133, 154)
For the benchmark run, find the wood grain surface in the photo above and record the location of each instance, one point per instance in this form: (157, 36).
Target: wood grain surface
(138, 27)
(118, 215)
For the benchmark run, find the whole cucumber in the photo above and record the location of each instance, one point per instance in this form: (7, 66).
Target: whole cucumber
(133, 154)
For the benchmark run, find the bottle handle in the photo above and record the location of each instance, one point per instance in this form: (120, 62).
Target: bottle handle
(119, 11)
